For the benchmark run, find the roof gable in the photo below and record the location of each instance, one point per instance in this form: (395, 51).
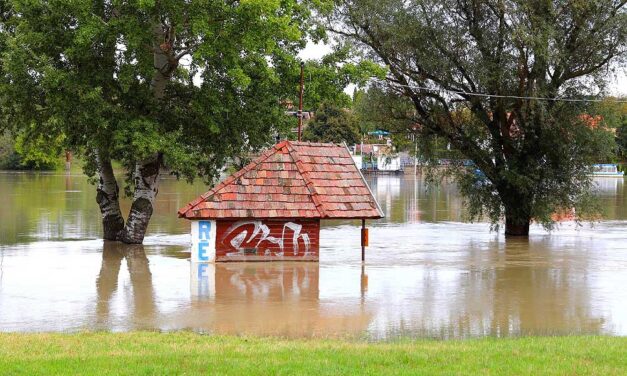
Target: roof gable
(291, 180)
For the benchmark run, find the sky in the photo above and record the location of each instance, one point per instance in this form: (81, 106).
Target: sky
(617, 87)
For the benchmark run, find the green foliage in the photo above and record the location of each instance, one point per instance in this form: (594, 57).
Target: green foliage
(9, 159)
(471, 70)
(557, 182)
(376, 109)
(621, 140)
(613, 116)
(332, 124)
(41, 152)
(326, 79)
(199, 81)
(22, 153)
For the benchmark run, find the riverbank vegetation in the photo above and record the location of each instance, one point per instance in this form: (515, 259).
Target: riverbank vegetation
(189, 353)
(19, 153)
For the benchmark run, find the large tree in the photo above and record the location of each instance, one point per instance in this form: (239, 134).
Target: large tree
(185, 85)
(333, 124)
(474, 70)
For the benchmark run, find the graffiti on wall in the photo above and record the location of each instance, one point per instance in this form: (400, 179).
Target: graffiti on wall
(254, 235)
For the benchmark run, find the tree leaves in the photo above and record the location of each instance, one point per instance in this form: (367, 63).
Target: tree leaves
(90, 65)
(487, 60)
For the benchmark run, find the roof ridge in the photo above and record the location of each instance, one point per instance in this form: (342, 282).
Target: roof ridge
(308, 183)
(230, 179)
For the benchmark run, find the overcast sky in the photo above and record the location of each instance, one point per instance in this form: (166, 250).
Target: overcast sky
(618, 83)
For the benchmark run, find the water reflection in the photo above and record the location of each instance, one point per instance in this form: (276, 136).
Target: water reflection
(62, 206)
(426, 274)
(410, 199)
(515, 289)
(141, 288)
(267, 299)
(535, 292)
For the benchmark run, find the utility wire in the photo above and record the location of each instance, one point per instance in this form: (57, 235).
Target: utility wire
(509, 96)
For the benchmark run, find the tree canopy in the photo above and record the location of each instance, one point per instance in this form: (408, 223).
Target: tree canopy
(473, 71)
(186, 85)
(333, 124)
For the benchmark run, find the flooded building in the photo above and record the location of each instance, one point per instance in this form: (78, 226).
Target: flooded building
(271, 209)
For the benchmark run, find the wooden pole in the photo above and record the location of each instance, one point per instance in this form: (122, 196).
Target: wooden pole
(300, 100)
(363, 240)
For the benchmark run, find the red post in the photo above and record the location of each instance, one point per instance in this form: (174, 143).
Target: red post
(300, 101)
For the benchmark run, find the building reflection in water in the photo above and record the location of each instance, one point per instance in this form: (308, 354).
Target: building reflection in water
(141, 288)
(275, 298)
(409, 199)
(608, 186)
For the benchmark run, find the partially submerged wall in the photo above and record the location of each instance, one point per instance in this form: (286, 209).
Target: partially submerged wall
(255, 240)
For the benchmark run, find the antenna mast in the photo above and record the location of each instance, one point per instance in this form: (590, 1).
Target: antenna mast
(300, 101)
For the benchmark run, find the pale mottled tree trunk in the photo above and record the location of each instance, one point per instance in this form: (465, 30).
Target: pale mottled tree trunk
(165, 60)
(146, 178)
(107, 197)
(146, 174)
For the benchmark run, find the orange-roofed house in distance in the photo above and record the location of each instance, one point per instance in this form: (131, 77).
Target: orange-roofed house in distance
(271, 209)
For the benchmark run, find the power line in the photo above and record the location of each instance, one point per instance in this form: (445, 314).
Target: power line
(459, 92)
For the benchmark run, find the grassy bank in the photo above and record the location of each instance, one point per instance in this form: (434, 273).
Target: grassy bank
(188, 353)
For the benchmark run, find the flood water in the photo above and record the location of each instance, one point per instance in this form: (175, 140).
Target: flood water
(427, 273)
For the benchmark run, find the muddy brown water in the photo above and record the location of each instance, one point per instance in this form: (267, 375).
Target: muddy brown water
(427, 273)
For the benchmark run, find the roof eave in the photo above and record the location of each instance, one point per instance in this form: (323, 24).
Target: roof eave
(214, 218)
(382, 215)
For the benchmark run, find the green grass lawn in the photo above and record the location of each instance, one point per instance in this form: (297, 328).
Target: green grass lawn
(188, 353)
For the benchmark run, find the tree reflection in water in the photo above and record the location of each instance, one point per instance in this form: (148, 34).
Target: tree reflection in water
(144, 307)
(539, 292)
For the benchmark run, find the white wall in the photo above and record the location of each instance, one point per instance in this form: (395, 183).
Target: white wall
(358, 161)
(394, 164)
(203, 241)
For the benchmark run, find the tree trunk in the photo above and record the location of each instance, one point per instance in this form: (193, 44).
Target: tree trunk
(517, 215)
(164, 60)
(516, 226)
(107, 197)
(518, 208)
(146, 175)
(146, 188)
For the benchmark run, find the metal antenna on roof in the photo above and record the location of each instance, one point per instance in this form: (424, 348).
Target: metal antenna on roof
(300, 101)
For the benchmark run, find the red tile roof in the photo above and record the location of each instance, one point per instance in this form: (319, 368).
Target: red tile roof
(291, 180)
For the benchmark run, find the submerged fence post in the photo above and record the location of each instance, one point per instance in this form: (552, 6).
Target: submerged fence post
(364, 240)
